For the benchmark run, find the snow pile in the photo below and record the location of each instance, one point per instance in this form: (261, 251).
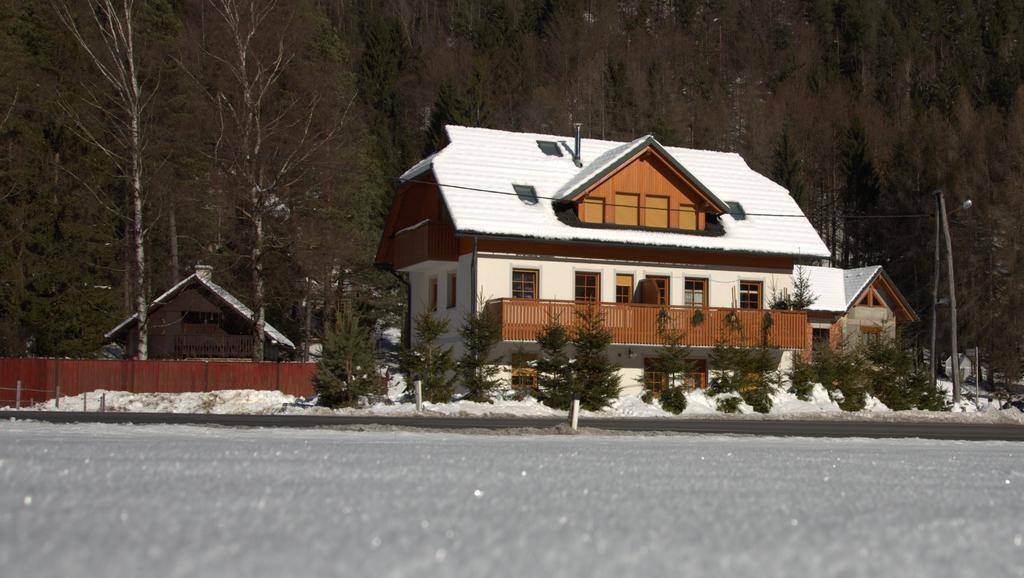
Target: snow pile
(699, 405)
(127, 501)
(228, 401)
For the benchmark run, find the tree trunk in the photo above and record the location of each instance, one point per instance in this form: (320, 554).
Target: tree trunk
(138, 233)
(172, 226)
(259, 309)
(307, 321)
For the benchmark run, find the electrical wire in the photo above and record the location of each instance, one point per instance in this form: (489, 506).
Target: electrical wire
(638, 206)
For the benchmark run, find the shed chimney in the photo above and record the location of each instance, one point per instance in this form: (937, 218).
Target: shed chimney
(576, 159)
(204, 272)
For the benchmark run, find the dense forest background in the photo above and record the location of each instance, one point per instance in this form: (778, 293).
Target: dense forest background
(862, 108)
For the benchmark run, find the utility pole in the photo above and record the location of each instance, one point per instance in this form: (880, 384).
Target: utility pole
(954, 357)
(932, 353)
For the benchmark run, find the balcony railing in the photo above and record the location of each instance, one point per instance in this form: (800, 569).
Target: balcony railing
(636, 324)
(428, 241)
(208, 346)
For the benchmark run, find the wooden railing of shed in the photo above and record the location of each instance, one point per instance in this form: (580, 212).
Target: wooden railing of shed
(637, 324)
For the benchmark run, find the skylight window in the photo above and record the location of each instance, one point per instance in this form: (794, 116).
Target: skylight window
(526, 194)
(736, 210)
(549, 148)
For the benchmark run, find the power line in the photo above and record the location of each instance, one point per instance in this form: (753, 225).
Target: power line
(638, 206)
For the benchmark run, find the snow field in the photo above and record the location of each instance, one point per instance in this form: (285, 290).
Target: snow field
(114, 501)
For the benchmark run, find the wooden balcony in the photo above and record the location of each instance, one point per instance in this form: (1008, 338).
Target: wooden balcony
(428, 241)
(636, 324)
(213, 346)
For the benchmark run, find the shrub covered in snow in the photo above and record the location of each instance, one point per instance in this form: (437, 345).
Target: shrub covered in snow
(749, 372)
(896, 381)
(673, 400)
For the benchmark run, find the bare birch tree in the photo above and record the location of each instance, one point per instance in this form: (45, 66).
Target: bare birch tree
(118, 102)
(267, 134)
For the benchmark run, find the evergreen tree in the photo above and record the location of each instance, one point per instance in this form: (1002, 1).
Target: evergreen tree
(749, 372)
(478, 371)
(554, 368)
(786, 168)
(595, 376)
(347, 370)
(428, 361)
(803, 296)
(672, 360)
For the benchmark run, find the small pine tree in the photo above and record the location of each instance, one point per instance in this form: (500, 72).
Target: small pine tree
(595, 376)
(554, 368)
(429, 361)
(802, 297)
(893, 377)
(479, 373)
(671, 360)
(749, 372)
(347, 370)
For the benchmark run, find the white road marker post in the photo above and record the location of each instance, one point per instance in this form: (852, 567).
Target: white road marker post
(103, 402)
(574, 414)
(418, 384)
(85, 402)
(56, 396)
(17, 395)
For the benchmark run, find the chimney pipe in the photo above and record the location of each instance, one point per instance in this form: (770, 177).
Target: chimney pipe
(576, 159)
(204, 272)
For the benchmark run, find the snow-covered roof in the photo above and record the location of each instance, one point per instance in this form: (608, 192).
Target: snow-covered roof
(476, 171)
(836, 289)
(217, 290)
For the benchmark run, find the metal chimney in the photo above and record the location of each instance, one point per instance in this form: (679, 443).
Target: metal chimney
(204, 272)
(576, 159)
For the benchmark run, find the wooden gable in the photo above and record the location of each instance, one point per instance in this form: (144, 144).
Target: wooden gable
(646, 191)
(415, 202)
(882, 292)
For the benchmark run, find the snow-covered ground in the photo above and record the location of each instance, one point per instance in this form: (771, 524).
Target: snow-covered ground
(786, 406)
(112, 501)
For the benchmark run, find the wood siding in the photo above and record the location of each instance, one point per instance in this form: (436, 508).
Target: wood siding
(637, 324)
(428, 242)
(649, 175)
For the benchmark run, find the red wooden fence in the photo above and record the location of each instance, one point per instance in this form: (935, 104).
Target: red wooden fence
(40, 377)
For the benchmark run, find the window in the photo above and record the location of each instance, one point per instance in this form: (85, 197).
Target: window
(588, 287)
(654, 381)
(750, 294)
(549, 148)
(821, 337)
(662, 283)
(524, 374)
(627, 209)
(524, 284)
(526, 194)
(695, 292)
(432, 296)
(452, 289)
(592, 210)
(698, 376)
(687, 217)
(870, 335)
(623, 288)
(736, 210)
(204, 322)
(656, 212)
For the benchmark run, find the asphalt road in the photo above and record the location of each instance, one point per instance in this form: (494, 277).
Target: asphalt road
(802, 428)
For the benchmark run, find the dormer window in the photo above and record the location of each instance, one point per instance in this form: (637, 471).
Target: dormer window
(526, 194)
